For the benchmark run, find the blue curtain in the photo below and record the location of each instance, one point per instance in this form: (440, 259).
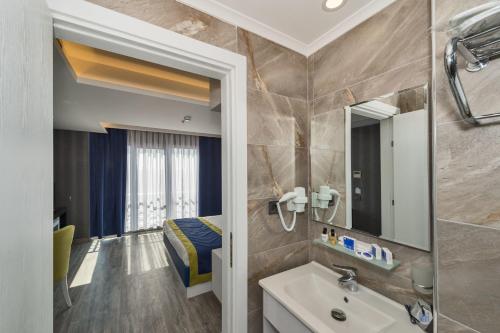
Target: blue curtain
(210, 177)
(108, 182)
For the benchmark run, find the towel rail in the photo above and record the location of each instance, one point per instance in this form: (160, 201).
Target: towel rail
(478, 48)
(451, 67)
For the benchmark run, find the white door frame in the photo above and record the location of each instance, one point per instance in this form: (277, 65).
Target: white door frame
(86, 23)
(347, 166)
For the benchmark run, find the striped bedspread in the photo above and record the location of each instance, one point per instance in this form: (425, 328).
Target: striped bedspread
(199, 237)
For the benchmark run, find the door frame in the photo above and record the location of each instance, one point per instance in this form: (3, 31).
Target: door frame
(86, 23)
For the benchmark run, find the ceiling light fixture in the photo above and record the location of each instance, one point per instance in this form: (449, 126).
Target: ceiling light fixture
(186, 119)
(331, 5)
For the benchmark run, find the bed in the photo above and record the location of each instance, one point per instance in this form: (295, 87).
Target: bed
(189, 243)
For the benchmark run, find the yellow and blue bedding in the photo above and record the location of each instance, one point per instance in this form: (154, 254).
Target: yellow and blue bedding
(190, 242)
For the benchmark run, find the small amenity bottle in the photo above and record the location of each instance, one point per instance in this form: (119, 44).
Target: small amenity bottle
(324, 235)
(333, 238)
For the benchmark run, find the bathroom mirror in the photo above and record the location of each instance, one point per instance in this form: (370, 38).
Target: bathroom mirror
(370, 167)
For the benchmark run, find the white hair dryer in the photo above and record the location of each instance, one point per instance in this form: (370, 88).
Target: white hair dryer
(322, 199)
(295, 202)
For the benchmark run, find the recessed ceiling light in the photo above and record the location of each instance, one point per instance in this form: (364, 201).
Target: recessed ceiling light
(330, 5)
(186, 119)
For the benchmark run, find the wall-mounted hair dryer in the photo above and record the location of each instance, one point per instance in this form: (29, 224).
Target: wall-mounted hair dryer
(295, 202)
(322, 200)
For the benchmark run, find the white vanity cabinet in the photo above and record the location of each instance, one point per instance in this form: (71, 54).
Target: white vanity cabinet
(278, 319)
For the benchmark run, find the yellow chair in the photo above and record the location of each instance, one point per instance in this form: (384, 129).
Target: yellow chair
(62, 250)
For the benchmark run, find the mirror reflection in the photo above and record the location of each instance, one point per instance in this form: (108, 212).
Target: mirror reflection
(377, 180)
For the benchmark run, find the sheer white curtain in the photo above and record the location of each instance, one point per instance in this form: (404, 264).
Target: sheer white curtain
(162, 179)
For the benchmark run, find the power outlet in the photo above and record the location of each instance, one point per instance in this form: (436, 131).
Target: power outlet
(272, 209)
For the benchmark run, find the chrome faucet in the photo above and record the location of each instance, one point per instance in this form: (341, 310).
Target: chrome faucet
(349, 278)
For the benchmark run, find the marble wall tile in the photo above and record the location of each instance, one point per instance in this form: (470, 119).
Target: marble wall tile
(255, 321)
(177, 17)
(446, 325)
(275, 170)
(467, 192)
(265, 231)
(276, 120)
(267, 263)
(467, 161)
(328, 128)
(395, 37)
(412, 75)
(469, 270)
(272, 67)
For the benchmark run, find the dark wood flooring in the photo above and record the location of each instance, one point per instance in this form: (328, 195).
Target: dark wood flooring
(128, 285)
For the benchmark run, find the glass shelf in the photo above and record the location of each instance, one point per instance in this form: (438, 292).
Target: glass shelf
(378, 263)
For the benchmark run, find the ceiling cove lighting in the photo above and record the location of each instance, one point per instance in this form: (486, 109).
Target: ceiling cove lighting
(110, 70)
(331, 5)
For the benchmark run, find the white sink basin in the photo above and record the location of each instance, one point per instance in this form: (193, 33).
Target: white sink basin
(311, 291)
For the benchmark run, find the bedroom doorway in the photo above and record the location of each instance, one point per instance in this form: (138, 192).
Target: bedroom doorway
(88, 24)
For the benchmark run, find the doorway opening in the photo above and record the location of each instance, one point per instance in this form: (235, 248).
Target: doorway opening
(89, 25)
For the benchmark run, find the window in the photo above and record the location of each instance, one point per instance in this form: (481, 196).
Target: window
(162, 179)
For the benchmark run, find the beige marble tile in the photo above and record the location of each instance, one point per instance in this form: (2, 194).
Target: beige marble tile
(255, 319)
(395, 37)
(272, 67)
(172, 15)
(276, 120)
(469, 267)
(265, 231)
(264, 264)
(412, 75)
(467, 163)
(328, 128)
(275, 170)
(446, 325)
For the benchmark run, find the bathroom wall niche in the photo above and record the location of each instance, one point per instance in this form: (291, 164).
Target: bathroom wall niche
(371, 167)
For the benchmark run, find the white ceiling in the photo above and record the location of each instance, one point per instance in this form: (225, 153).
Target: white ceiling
(83, 107)
(301, 25)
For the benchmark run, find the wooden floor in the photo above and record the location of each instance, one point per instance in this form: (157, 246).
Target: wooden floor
(128, 285)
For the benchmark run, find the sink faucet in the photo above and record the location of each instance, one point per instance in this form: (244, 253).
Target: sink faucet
(349, 278)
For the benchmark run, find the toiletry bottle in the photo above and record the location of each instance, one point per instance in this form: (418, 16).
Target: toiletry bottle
(349, 243)
(387, 256)
(333, 238)
(324, 235)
